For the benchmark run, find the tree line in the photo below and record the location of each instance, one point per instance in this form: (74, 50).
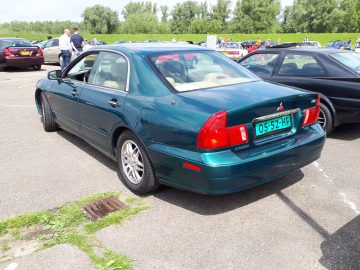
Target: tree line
(225, 16)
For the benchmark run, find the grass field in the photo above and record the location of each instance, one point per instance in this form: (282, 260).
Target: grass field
(323, 38)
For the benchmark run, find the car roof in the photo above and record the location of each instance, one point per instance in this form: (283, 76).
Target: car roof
(324, 51)
(155, 47)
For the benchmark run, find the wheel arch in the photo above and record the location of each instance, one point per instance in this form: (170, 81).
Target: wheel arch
(326, 101)
(38, 92)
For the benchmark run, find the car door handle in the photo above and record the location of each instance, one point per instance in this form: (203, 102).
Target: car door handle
(114, 103)
(74, 92)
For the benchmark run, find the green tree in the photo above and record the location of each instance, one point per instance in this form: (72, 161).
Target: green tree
(221, 11)
(317, 16)
(164, 13)
(100, 20)
(182, 16)
(144, 23)
(256, 16)
(139, 8)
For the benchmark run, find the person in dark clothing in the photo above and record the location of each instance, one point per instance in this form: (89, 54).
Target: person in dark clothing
(77, 41)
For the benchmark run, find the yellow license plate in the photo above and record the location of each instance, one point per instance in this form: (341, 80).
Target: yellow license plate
(25, 53)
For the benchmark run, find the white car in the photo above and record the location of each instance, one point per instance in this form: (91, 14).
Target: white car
(357, 48)
(233, 50)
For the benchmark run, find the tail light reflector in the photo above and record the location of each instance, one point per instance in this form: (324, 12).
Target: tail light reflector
(39, 52)
(311, 115)
(214, 133)
(7, 52)
(234, 52)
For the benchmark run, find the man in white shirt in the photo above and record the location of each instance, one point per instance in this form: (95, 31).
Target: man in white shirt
(65, 47)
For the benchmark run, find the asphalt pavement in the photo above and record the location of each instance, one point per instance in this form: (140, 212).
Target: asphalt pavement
(309, 219)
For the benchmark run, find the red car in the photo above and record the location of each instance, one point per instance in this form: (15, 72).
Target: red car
(18, 52)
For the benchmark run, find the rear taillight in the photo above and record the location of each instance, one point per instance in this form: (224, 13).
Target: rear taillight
(214, 133)
(311, 115)
(39, 52)
(234, 52)
(7, 52)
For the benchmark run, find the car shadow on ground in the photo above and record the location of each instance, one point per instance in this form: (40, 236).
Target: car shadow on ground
(199, 203)
(347, 132)
(341, 250)
(217, 204)
(84, 146)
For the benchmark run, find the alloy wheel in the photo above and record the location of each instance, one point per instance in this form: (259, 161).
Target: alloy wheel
(132, 161)
(322, 119)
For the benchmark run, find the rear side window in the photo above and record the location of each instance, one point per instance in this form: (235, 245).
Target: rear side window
(351, 60)
(301, 65)
(55, 42)
(261, 63)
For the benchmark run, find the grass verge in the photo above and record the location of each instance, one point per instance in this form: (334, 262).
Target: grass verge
(68, 225)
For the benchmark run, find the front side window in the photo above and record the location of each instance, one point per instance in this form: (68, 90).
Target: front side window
(82, 69)
(194, 70)
(301, 65)
(261, 63)
(111, 72)
(350, 60)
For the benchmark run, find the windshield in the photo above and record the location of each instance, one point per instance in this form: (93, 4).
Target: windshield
(15, 43)
(196, 70)
(351, 60)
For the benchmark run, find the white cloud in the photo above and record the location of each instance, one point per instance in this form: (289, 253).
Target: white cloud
(41, 10)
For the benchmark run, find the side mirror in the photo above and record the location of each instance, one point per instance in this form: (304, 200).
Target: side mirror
(55, 75)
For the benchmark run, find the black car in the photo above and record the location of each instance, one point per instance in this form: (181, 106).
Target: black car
(335, 74)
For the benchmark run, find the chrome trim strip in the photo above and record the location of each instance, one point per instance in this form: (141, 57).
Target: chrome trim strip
(275, 115)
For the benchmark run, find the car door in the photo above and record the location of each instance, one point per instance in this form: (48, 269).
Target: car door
(47, 51)
(65, 94)
(303, 70)
(101, 102)
(262, 64)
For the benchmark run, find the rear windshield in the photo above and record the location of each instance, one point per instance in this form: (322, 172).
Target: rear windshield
(351, 60)
(230, 45)
(15, 43)
(194, 70)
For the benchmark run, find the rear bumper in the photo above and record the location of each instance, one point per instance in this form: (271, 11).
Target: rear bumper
(22, 61)
(231, 171)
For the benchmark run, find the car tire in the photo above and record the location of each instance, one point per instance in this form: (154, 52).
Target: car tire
(326, 120)
(60, 60)
(47, 116)
(134, 165)
(36, 67)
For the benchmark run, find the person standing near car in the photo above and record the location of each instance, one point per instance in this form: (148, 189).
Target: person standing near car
(258, 42)
(65, 47)
(77, 41)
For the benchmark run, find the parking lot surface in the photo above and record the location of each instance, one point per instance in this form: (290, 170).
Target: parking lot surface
(309, 219)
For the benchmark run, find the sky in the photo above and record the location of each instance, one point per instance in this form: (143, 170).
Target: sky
(42, 10)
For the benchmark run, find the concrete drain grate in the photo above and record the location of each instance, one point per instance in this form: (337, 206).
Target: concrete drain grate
(101, 208)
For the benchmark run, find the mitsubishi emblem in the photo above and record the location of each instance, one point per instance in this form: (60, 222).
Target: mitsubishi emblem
(281, 107)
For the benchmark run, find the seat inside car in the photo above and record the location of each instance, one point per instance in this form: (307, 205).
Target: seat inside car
(290, 69)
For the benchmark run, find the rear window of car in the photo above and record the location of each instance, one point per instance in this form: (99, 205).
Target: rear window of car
(15, 43)
(194, 70)
(350, 60)
(230, 45)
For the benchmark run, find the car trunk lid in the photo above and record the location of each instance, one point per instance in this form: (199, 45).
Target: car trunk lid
(23, 51)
